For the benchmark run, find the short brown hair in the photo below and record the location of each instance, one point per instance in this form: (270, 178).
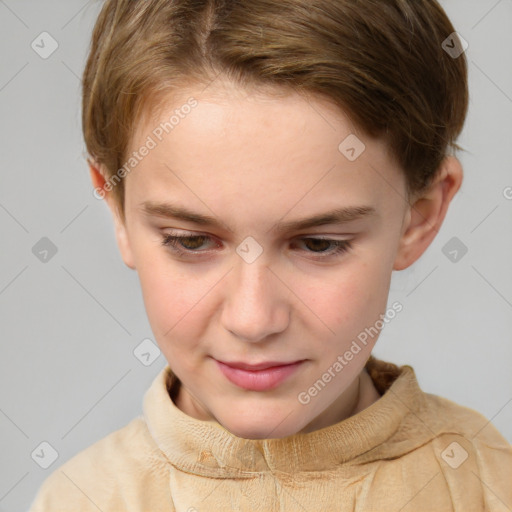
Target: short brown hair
(380, 61)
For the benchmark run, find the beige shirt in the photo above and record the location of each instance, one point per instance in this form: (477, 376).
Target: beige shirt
(408, 451)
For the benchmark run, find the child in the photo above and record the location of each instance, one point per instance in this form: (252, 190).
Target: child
(268, 165)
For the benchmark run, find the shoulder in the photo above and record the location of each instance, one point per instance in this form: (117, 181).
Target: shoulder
(453, 452)
(115, 473)
(447, 417)
(471, 453)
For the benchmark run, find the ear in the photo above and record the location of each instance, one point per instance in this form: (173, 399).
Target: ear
(426, 213)
(99, 180)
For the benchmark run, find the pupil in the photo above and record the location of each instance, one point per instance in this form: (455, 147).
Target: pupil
(197, 241)
(315, 242)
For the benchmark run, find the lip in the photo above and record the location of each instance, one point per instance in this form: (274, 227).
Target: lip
(260, 366)
(267, 378)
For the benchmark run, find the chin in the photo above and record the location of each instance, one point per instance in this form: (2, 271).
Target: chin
(259, 431)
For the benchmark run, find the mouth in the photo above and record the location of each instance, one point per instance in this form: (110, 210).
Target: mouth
(260, 377)
(259, 366)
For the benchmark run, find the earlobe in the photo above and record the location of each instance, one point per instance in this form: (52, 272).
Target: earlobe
(98, 179)
(425, 216)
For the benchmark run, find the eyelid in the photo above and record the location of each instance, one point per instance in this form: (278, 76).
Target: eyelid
(304, 234)
(319, 236)
(341, 247)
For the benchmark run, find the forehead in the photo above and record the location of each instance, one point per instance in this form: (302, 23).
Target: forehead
(204, 111)
(264, 145)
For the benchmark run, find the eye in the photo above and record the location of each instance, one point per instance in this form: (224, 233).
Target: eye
(322, 244)
(184, 244)
(190, 245)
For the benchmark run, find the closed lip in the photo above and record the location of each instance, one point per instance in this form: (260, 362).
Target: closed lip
(259, 366)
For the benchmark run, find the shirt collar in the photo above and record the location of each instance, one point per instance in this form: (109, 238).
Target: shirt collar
(207, 448)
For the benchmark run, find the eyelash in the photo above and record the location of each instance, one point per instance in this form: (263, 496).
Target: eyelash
(172, 242)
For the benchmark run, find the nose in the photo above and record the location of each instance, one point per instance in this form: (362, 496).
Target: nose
(255, 304)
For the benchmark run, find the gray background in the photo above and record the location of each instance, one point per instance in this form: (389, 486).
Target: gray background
(69, 325)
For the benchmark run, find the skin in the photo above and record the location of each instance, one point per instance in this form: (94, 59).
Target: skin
(252, 159)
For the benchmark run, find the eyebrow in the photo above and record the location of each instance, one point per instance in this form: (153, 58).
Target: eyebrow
(336, 216)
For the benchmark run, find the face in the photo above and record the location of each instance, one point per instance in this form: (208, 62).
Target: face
(252, 285)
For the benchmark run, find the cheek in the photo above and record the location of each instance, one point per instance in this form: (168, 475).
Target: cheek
(171, 297)
(176, 314)
(353, 299)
